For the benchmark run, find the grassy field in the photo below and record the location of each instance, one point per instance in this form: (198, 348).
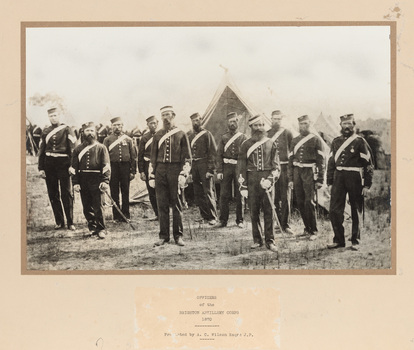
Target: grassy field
(206, 248)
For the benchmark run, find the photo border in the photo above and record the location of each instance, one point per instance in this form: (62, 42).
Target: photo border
(62, 24)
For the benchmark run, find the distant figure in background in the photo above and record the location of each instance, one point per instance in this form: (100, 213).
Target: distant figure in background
(171, 164)
(259, 169)
(102, 132)
(37, 135)
(122, 154)
(227, 155)
(204, 152)
(283, 139)
(91, 171)
(144, 160)
(305, 172)
(350, 171)
(55, 151)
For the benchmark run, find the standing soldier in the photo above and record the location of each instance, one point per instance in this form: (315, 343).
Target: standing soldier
(305, 172)
(170, 160)
(283, 139)
(144, 159)
(259, 169)
(91, 172)
(122, 154)
(55, 151)
(228, 152)
(350, 170)
(204, 152)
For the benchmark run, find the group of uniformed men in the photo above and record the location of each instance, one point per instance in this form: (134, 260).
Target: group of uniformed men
(264, 169)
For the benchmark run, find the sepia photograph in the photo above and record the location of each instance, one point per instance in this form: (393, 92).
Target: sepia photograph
(208, 148)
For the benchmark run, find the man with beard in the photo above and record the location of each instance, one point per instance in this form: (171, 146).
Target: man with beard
(170, 160)
(122, 154)
(203, 151)
(305, 172)
(228, 152)
(350, 170)
(283, 139)
(91, 171)
(55, 150)
(144, 159)
(259, 169)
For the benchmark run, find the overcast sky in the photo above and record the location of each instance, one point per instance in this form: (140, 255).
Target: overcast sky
(134, 71)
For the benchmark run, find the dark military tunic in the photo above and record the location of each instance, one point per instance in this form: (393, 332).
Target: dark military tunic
(144, 161)
(283, 139)
(170, 151)
(122, 154)
(55, 150)
(204, 152)
(306, 163)
(259, 160)
(90, 167)
(350, 168)
(227, 155)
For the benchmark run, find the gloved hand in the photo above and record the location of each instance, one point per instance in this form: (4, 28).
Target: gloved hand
(208, 175)
(220, 176)
(266, 184)
(290, 185)
(182, 181)
(76, 188)
(318, 185)
(151, 183)
(103, 186)
(143, 177)
(186, 169)
(365, 191)
(72, 171)
(42, 174)
(131, 177)
(244, 193)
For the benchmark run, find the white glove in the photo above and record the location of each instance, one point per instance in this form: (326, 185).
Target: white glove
(42, 174)
(186, 168)
(103, 187)
(76, 188)
(290, 185)
(182, 181)
(72, 171)
(220, 176)
(151, 183)
(265, 183)
(244, 193)
(143, 177)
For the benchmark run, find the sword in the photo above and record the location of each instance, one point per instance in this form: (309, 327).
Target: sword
(273, 209)
(119, 210)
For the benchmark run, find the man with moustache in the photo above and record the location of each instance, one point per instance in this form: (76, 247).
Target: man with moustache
(227, 154)
(283, 139)
(55, 150)
(203, 151)
(259, 169)
(171, 164)
(91, 171)
(122, 154)
(305, 173)
(350, 171)
(144, 159)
